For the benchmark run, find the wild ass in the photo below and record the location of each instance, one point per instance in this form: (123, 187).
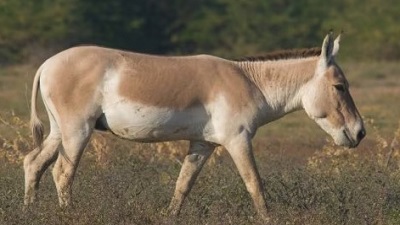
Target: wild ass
(207, 100)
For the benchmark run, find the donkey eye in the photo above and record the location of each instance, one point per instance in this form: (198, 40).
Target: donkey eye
(340, 87)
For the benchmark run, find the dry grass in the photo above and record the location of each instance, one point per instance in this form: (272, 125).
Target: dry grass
(134, 186)
(307, 179)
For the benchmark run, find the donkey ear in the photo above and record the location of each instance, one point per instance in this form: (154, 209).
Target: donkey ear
(327, 47)
(336, 45)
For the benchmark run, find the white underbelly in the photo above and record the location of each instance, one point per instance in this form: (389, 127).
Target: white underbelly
(148, 123)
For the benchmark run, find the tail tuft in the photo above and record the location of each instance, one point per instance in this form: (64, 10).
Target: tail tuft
(37, 129)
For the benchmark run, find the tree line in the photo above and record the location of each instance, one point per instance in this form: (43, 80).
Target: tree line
(221, 27)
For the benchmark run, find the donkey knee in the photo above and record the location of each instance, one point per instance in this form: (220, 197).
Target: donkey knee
(30, 157)
(59, 172)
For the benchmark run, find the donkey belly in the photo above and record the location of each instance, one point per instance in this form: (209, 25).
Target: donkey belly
(150, 124)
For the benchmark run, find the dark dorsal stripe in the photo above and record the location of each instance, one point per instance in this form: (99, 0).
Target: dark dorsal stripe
(284, 54)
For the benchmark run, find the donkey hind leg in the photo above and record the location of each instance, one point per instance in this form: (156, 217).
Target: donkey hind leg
(241, 152)
(194, 161)
(36, 162)
(74, 141)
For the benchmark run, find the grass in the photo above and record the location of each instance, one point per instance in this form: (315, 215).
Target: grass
(331, 188)
(306, 179)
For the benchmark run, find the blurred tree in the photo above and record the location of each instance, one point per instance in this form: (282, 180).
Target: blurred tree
(27, 24)
(222, 27)
(141, 25)
(240, 27)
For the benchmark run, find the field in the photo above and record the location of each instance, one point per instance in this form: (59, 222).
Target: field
(307, 180)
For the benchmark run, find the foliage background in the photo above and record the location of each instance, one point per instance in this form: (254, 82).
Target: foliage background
(222, 27)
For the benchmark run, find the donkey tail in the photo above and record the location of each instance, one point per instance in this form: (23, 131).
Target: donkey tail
(36, 125)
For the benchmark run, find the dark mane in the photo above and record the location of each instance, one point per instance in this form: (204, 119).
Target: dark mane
(284, 54)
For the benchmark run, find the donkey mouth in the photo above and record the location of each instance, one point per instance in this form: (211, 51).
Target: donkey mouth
(352, 142)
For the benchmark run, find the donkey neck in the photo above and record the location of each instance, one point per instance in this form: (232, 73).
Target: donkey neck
(282, 82)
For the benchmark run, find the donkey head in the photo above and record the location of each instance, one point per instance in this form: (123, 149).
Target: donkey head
(328, 102)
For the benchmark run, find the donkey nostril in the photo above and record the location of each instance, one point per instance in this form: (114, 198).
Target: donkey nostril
(361, 134)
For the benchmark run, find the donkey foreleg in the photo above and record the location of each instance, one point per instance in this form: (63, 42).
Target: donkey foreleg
(36, 162)
(241, 152)
(194, 161)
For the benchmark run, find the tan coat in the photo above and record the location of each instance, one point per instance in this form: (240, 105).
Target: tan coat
(207, 100)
